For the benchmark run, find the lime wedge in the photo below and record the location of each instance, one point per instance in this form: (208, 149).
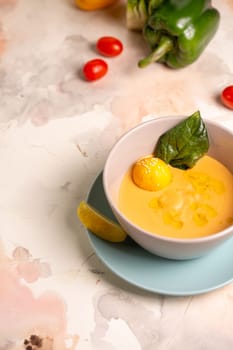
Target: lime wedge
(99, 224)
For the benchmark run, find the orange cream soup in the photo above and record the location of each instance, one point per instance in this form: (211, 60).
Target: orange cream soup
(198, 202)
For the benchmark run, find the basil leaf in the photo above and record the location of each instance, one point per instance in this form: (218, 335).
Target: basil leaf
(183, 145)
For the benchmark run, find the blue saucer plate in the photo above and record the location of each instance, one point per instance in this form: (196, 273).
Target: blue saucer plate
(152, 273)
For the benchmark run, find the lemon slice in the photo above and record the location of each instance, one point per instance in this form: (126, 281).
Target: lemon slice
(99, 224)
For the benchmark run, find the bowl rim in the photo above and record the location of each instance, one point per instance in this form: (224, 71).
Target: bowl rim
(204, 239)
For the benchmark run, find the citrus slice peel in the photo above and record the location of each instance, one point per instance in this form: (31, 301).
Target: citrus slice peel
(99, 224)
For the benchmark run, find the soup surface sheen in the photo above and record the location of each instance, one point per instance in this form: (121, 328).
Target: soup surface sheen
(198, 202)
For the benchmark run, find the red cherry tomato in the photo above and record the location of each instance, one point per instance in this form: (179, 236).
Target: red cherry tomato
(95, 69)
(109, 46)
(227, 96)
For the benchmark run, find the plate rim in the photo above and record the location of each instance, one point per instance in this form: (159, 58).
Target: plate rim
(159, 291)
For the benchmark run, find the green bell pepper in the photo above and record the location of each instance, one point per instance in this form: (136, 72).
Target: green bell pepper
(137, 12)
(178, 31)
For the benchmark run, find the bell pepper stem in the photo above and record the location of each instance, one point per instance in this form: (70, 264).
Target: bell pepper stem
(165, 45)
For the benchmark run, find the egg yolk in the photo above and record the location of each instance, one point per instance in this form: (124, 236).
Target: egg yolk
(151, 173)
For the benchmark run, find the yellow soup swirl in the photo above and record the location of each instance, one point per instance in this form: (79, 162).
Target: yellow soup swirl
(194, 203)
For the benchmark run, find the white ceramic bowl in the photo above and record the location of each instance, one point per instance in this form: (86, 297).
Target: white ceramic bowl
(141, 140)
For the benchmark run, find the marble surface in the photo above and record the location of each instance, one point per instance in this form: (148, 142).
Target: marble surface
(55, 133)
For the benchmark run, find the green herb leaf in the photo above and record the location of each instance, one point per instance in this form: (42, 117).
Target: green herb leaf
(183, 145)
